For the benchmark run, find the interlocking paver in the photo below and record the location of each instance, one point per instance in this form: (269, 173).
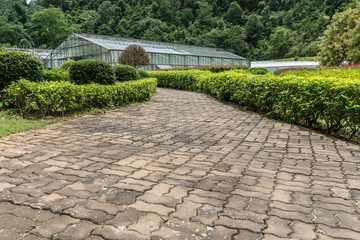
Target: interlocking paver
(183, 166)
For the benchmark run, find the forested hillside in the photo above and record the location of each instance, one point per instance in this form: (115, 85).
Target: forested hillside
(259, 30)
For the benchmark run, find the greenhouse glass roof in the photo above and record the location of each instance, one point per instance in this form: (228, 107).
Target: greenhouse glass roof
(119, 44)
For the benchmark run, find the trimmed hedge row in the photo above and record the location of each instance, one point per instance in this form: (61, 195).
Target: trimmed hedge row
(48, 98)
(311, 101)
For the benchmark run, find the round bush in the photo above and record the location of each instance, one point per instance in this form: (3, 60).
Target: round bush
(66, 65)
(91, 71)
(15, 65)
(143, 73)
(125, 73)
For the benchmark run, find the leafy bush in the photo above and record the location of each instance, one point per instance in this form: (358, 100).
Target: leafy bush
(309, 100)
(258, 70)
(67, 64)
(211, 68)
(143, 73)
(185, 80)
(47, 98)
(125, 73)
(56, 75)
(14, 65)
(91, 71)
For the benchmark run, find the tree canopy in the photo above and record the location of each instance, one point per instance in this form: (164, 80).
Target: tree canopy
(250, 28)
(341, 40)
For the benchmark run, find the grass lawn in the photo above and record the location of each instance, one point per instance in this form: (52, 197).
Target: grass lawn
(12, 123)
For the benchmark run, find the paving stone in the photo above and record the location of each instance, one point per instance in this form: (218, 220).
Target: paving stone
(186, 210)
(79, 231)
(240, 224)
(303, 231)
(8, 234)
(112, 233)
(22, 225)
(220, 232)
(124, 219)
(278, 227)
(155, 208)
(94, 216)
(147, 224)
(54, 226)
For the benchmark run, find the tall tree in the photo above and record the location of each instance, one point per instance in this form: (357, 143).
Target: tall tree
(341, 41)
(49, 27)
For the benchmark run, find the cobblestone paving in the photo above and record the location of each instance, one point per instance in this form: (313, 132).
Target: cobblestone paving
(183, 166)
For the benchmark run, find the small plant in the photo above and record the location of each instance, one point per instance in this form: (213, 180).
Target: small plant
(125, 73)
(14, 65)
(91, 71)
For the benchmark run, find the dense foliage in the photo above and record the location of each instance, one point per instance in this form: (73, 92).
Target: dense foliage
(56, 74)
(330, 97)
(67, 64)
(252, 28)
(49, 98)
(14, 65)
(134, 55)
(91, 71)
(341, 40)
(125, 73)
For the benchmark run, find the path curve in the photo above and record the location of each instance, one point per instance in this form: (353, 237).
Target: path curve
(182, 166)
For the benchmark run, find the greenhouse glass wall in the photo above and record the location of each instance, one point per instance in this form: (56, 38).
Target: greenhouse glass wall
(163, 55)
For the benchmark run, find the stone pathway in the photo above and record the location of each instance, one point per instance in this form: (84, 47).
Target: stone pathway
(183, 166)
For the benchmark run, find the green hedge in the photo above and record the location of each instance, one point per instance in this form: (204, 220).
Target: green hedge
(125, 73)
(143, 73)
(14, 65)
(311, 101)
(67, 64)
(48, 98)
(91, 71)
(56, 74)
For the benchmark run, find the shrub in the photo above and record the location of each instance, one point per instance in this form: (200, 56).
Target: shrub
(125, 73)
(56, 75)
(91, 71)
(14, 65)
(211, 68)
(67, 64)
(185, 80)
(143, 73)
(259, 70)
(64, 97)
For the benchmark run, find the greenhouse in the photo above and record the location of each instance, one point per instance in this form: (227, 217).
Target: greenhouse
(163, 55)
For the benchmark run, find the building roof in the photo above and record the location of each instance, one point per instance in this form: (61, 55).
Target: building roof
(120, 43)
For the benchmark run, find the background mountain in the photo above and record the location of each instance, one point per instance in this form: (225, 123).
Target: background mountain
(259, 30)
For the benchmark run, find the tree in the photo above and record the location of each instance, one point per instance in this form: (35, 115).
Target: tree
(134, 55)
(254, 29)
(49, 27)
(13, 34)
(280, 43)
(234, 15)
(341, 40)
